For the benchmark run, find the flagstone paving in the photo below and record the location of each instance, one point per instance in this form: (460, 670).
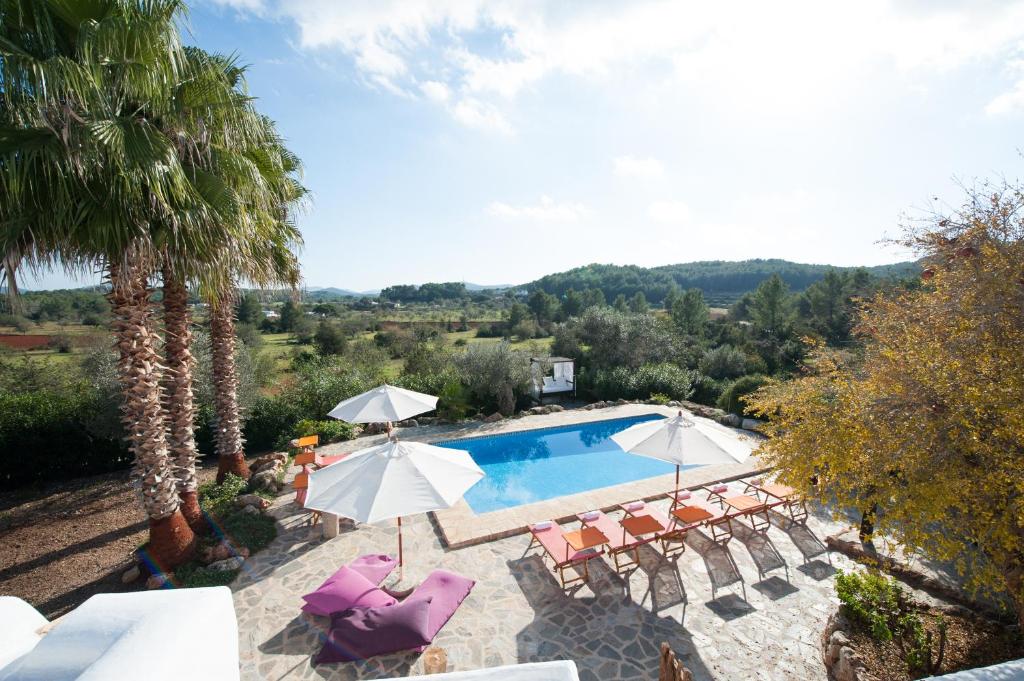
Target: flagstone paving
(710, 604)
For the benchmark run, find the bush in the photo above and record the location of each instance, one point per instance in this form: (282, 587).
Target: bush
(870, 599)
(491, 330)
(659, 398)
(46, 435)
(707, 390)
(330, 430)
(631, 384)
(62, 343)
(730, 399)
(725, 361)
(268, 420)
(194, 575)
(219, 499)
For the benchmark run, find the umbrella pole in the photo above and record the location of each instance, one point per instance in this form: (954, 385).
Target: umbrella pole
(401, 561)
(677, 477)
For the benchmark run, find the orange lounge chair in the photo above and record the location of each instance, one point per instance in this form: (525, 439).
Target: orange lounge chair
(620, 542)
(549, 536)
(716, 493)
(301, 485)
(693, 512)
(671, 538)
(305, 446)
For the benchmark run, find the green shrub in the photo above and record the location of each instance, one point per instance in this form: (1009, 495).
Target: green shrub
(331, 430)
(460, 342)
(659, 398)
(50, 434)
(195, 575)
(253, 531)
(870, 599)
(219, 499)
(622, 382)
(730, 400)
(706, 390)
(268, 420)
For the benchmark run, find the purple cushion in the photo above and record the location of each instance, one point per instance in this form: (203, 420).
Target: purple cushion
(346, 589)
(374, 567)
(445, 591)
(360, 633)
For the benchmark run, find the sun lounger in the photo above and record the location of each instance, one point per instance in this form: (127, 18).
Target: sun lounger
(692, 512)
(621, 544)
(301, 485)
(716, 493)
(776, 495)
(671, 538)
(746, 506)
(549, 536)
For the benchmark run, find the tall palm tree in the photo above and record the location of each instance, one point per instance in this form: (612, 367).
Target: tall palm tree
(102, 166)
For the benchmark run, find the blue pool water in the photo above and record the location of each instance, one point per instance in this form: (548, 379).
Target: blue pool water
(534, 465)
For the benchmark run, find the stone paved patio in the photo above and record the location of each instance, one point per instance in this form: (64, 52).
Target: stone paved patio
(721, 617)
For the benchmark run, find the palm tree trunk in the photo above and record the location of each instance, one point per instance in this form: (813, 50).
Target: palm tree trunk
(228, 437)
(178, 403)
(171, 541)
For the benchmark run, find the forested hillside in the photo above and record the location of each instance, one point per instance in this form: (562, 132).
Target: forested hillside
(721, 281)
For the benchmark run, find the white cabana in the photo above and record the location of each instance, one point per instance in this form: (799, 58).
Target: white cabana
(392, 480)
(561, 380)
(682, 441)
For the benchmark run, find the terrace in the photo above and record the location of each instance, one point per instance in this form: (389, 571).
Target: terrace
(753, 609)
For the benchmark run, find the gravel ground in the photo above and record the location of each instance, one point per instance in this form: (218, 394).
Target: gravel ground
(66, 541)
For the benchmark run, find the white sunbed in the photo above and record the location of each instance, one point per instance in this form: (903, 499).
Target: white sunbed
(153, 635)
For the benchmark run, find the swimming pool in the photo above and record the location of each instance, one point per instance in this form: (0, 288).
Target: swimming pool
(534, 465)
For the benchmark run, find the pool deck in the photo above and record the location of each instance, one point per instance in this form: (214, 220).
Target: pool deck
(460, 526)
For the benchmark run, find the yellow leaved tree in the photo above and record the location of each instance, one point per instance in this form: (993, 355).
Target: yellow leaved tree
(925, 418)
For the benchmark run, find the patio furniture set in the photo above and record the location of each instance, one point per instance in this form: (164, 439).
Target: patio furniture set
(643, 524)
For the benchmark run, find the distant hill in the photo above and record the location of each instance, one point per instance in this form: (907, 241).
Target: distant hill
(332, 293)
(721, 281)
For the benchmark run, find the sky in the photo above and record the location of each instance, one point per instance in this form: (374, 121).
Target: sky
(495, 142)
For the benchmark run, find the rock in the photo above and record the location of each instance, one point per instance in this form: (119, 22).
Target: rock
(156, 582)
(621, 401)
(673, 403)
(408, 423)
(266, 480)
(221, 551)
(263, 461)
(588, 407)
(848, 667)
(730, 420)
(131, 575)
(251, 500)
(600, 405)
(494, 418)
(232, 563)
(835, 643)
(750, 424)
(250, 510)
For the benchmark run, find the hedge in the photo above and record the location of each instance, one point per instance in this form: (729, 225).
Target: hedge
(45, 435)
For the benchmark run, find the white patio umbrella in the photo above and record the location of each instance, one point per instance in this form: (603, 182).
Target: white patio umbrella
(392, 480)
(383, 405)
(682, 441)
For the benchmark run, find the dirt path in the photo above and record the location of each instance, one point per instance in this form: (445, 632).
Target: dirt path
(70, 540)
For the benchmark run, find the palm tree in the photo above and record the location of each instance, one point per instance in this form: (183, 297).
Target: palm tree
(102, 166)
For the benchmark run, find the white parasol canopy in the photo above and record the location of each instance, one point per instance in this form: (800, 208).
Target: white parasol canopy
(683, 442)
(382, 405)
(392, 480)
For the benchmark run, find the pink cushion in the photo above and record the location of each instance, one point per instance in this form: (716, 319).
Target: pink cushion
(634, 506)
(683, 494)
(757, 482)
(719, 489)
(347, 589)
(375, 567)
(359, 633)
(590, 516)
(445, 591)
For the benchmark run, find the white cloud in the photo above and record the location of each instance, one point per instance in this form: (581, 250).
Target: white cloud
(788, 55)
(1007, 103)
(644, 168)
(436, 90)
(669, 211)
(546, 210)
(477, 114)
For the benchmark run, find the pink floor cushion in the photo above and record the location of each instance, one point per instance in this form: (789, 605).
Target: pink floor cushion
(375, 567)
(446, 591)
(346, 589)
(360, 633)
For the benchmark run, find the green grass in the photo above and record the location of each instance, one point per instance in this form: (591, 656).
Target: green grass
(195, 575)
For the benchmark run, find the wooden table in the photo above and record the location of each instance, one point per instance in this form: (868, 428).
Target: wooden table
(585, 538)
(692, 514)
(788, 499)
(640, 525)
(774, 489)
(753, 508)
